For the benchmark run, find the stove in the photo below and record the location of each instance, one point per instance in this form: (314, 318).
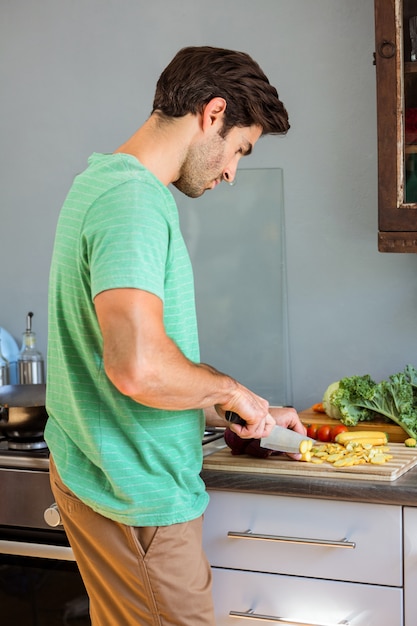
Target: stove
(33, 545)
(26, 496)
(39, 578)
(212, 434)
(34, 455)
(24, 455)
(28, 510)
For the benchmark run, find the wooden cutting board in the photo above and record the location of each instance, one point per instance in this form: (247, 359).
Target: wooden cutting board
(403, 460)
(395, 433)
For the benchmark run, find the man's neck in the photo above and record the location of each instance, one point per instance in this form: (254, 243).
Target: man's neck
(161, 147)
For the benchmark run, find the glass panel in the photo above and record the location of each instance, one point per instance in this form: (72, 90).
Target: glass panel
(410, 99)
(236, 239)
(41, 592)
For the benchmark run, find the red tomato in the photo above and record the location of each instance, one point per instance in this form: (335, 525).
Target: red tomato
(312, 430)
(340, 428)
(324, 433)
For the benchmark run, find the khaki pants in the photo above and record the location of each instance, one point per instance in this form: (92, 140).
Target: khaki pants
(148, 576)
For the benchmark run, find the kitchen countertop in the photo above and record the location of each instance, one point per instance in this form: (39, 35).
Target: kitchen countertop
(402, 491)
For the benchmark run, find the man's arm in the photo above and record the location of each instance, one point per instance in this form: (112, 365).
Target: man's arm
(145, 364)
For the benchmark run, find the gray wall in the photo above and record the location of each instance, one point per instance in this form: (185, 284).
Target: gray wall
(78, 76)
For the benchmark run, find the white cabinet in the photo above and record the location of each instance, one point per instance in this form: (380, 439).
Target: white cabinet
(307, 601)
(304, 561)
(410, 566)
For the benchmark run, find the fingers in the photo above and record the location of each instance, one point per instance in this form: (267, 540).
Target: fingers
(257, 430)
(258, 416)
(288, 418)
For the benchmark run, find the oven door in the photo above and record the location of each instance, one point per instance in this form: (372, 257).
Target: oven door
(40, 584)
(41, 592)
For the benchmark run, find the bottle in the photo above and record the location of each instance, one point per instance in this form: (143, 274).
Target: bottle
(4, 369)
(30, 361)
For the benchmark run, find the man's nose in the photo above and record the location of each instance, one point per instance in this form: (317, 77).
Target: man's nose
(229, 176)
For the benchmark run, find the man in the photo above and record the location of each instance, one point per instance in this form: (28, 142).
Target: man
(126, 391)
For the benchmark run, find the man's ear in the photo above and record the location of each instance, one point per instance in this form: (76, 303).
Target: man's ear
(213, 112)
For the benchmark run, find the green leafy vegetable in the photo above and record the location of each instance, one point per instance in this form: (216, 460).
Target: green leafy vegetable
(359, 398)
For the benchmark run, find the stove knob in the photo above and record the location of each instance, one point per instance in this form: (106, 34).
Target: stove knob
(52, 516)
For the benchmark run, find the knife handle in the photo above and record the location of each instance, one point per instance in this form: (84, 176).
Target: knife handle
(234, 418)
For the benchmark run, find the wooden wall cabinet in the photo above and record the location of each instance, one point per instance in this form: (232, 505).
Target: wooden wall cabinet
(396, 78)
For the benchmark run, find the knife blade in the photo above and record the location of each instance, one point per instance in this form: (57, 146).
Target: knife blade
(280, 439)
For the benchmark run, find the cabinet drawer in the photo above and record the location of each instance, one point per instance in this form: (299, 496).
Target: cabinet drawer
(305, 537)
(410, 565)
(302, 600)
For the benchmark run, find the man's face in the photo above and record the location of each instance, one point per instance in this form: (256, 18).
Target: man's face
(214, 159)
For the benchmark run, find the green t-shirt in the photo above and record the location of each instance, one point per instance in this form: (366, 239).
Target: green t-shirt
(119, 227)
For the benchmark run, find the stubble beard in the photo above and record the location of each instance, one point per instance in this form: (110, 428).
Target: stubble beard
(201, 166)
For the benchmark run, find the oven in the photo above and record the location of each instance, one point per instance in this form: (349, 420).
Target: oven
(40, 584)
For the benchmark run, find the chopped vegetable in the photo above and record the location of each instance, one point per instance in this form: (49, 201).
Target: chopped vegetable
(410, 442)
(358, 398)
(305, 446)
(351, 454)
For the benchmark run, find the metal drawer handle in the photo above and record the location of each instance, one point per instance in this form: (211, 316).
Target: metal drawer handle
(279, 620)
(248, 534)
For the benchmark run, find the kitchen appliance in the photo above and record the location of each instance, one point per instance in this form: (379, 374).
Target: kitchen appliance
(39, 579)
(23, 415)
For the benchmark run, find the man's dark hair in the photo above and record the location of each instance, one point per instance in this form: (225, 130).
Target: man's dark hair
(198, 74)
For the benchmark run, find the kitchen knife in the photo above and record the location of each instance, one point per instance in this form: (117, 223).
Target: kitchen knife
(280, 439)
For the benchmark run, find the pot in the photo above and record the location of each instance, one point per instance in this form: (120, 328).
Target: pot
(22, 410)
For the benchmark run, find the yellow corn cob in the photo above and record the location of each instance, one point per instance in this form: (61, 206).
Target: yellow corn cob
(375, 438)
